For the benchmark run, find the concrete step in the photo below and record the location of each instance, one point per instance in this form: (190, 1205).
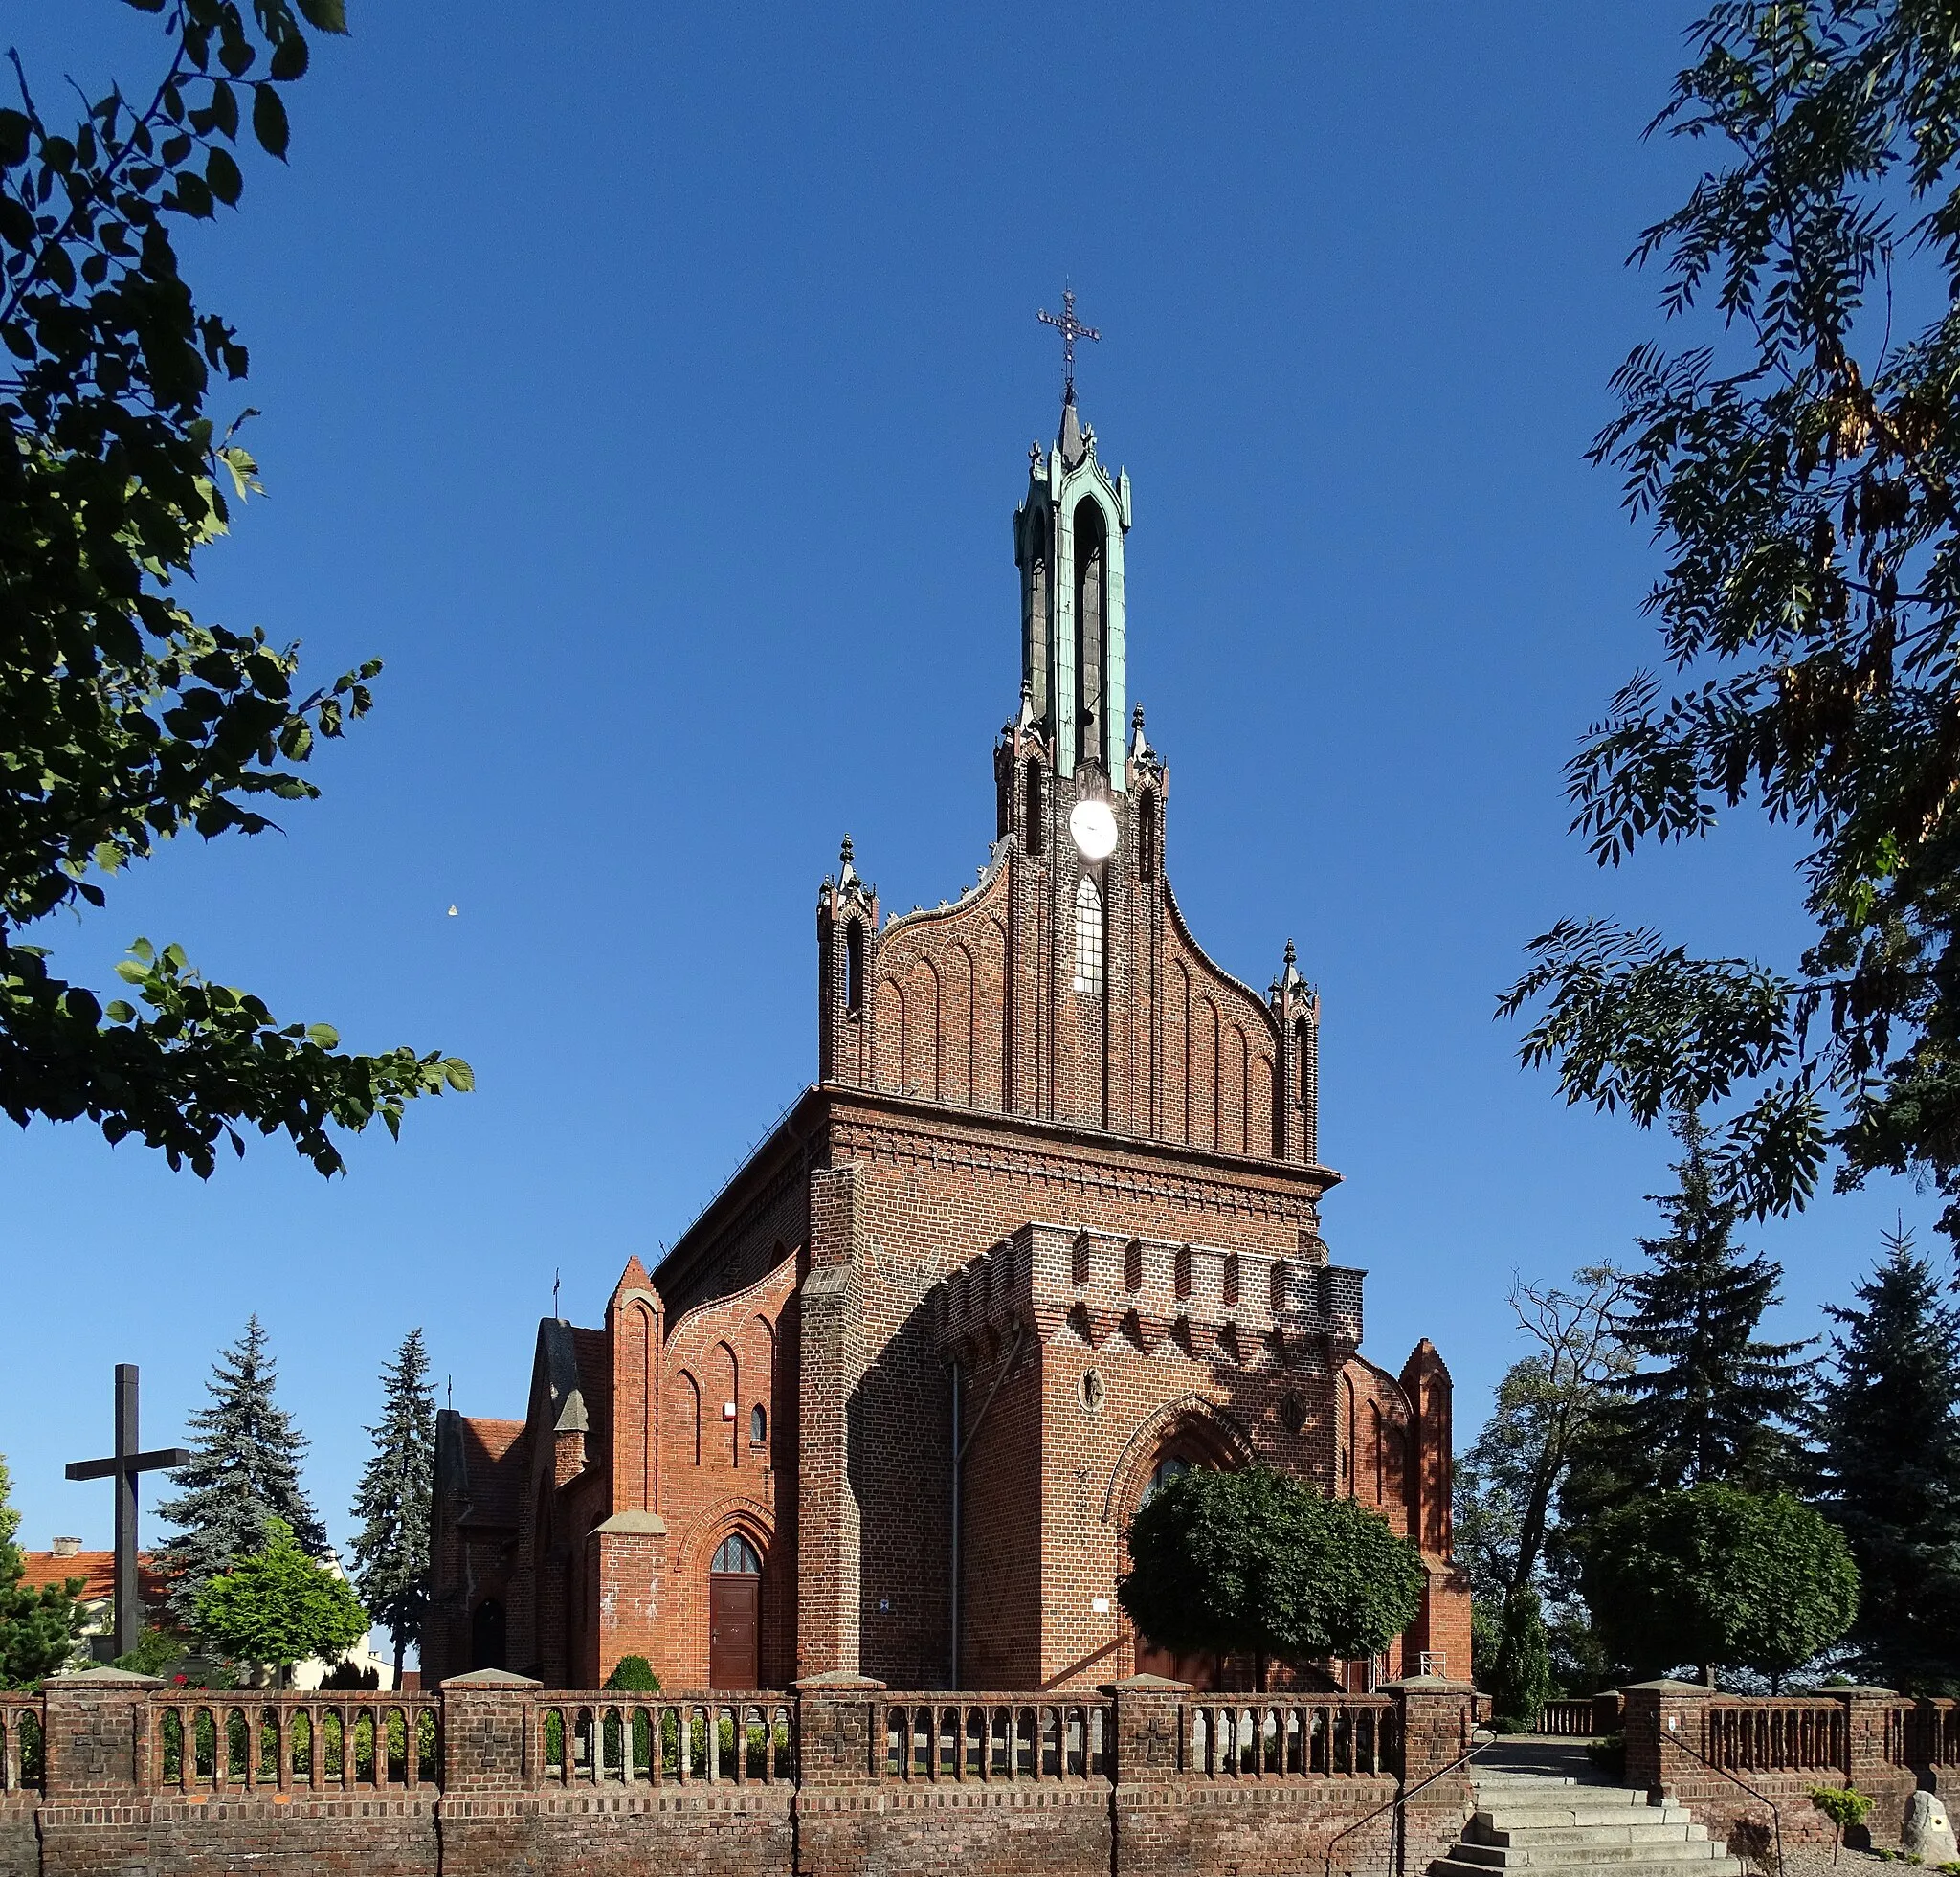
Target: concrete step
(1679, 1849)
(1676, 1850)
(1577, 1819)
(1720, 1865)
(1547, 1819)
(1575, 1809)
(1660, 1829)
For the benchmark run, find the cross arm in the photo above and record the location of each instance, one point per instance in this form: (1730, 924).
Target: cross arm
(132, 1462)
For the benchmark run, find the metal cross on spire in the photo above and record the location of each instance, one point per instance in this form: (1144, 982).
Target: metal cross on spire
(1070, 329)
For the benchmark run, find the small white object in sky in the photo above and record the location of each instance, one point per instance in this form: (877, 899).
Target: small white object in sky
(451, 912)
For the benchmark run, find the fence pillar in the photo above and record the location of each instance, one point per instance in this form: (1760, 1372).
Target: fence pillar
(841, 1730)
(1436, 1718)
(1650, 1712)
(486, 1721)
(1866, 1752)
(98, 1740)
(1145, 1724)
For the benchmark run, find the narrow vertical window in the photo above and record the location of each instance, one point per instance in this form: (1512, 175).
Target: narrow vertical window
(1092, 579)
(1037, 809)
(1088, 936)
(1146, 837)
(854, 965)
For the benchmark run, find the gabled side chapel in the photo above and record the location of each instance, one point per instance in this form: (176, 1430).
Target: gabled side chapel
(1045, 1228)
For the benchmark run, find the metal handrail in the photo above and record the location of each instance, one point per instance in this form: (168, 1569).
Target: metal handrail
(1395, 1804)
(1775, 1815)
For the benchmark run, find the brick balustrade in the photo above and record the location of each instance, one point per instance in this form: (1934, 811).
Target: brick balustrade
(493, 1772)
(1732, 1759)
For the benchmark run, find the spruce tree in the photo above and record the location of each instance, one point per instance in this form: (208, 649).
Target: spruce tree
(1891, 1434)
(391, 1553)
(244, 1471)
(1705, 1401)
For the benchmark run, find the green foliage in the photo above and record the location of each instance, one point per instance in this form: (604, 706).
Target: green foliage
(1843, 1806)
(1521, 1680)
(633, 1674)
(1707, 1401)
(37, 1627)
(1485, 1632)
(278, 1606)
(1719, 1577)
(1891, 1438)
(393, 1502)
(157, 1652)
(124, 722)
(1257, 1561)
(1507, 1485)
(244, 1472)
(1799, 459)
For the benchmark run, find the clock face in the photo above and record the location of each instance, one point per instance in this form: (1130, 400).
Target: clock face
(1092, 827)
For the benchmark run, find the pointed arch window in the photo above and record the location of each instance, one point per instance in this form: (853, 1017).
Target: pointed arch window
(1088, 936)
(1147, 835)
(854, 966)
(736, 1557)
(1037, 809)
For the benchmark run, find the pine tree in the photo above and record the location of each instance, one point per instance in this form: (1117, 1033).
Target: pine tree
(391, 1553)
(244, 1471)
(1705, 1402)
(1891, 1428)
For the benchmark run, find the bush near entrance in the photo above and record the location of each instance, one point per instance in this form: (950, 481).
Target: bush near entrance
(1255, 1562)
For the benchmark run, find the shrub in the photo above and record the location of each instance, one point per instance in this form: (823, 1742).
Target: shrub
(633, 1674)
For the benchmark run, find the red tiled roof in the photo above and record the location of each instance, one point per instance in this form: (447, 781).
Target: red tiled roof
(495, 1470)
(96, 1570)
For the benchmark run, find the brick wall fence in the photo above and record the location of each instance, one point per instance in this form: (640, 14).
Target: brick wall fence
(108, 1772)
(1732, 1759)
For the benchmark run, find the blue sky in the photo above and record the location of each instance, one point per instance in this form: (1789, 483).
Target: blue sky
(651, 388)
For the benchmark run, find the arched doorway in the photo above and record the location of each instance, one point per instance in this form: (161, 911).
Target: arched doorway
(1195, 1443)
(486, 1635)
(735, 1615)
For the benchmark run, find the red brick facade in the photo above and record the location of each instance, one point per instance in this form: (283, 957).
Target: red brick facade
(1049, 1216)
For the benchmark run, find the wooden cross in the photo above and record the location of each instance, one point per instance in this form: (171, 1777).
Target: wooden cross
(123, 1467)
(1070, 329)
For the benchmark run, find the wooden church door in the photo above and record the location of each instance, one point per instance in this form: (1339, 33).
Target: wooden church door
(735, 1616)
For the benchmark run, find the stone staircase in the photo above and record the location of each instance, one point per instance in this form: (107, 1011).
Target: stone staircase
(1543, 1808)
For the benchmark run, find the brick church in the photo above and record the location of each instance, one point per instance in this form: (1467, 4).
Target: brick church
(1045, 1228)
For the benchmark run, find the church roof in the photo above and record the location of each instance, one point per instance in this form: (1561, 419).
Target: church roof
(593, 1350)
(493, 1467)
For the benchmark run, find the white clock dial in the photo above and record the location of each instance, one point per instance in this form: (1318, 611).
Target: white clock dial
(1092, 827)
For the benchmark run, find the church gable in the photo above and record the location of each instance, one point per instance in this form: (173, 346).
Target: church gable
(1044, 1232)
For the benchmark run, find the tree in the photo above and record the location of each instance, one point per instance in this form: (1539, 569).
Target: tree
(123, 721)
(391, 1553)
(1507, 1485)
(1521, 1680)
(1260, 1563)
(276, 1606)
(1719, 1577)
(1799, 459)
(244, 1472)
(37, 1627)
(1707, 1401)
(1891, 1442)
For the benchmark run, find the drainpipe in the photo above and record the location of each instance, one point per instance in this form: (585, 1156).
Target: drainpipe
(953, 1652)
